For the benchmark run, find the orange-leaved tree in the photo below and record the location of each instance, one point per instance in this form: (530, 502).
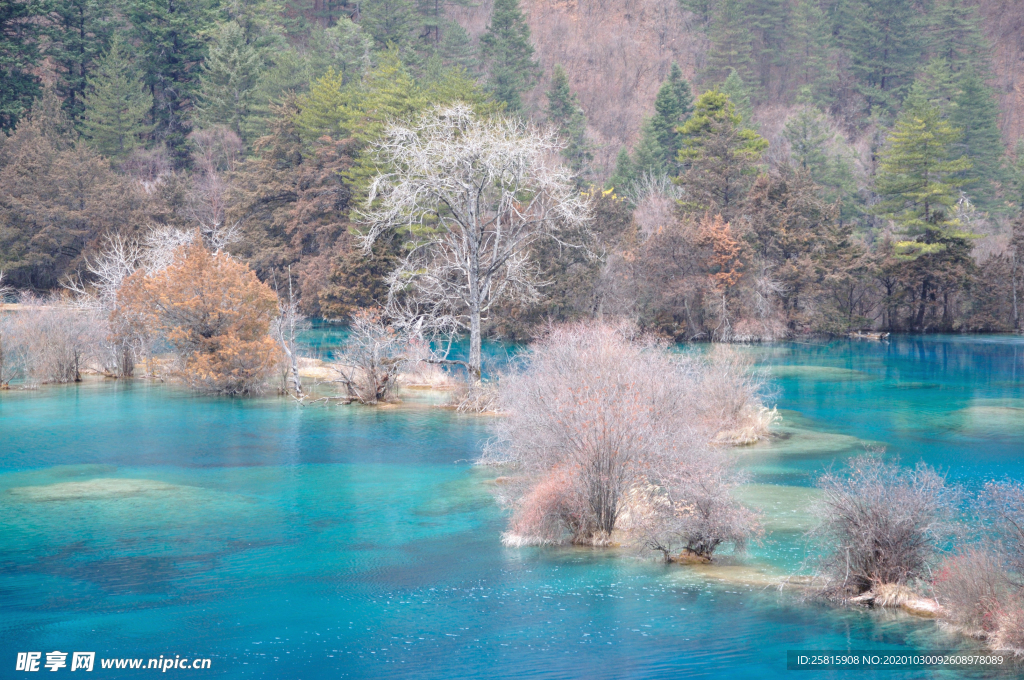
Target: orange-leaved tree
(213, 312)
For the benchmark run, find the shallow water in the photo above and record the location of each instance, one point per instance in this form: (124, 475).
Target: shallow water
(283, 542)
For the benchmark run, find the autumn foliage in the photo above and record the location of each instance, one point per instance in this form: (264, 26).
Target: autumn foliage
(212, 312)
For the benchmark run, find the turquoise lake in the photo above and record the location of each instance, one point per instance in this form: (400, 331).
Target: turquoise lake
(139, 520)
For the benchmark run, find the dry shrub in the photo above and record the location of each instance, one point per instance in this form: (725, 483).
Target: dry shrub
(374, 356)
(880, 524)
(1002, 505)
(475, 396)
(1009, 633)
(601, 428)
(14, 349)
(971, 587)
(51, 341)
(213, 312)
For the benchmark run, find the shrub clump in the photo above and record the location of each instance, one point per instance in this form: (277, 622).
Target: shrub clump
(604, 432)
(881, 525)
(980, 587)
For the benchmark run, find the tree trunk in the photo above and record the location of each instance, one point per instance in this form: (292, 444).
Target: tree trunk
(919, 324)
(475, 361)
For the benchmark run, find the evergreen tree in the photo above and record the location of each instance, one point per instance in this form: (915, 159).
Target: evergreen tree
(976, 114)
(508, 54)
(731, 43)
(919, 184)
(345, 47)
(721, 156)
(919, 179)
(672, 106)
(935, 85)
(390, 22)
(955, 35)
(739, 95)
(230, 74)
(171, 48)
(883, 42)
(565, 113)
(825, 157)
(19, 55)
(701, 9)
(625, 175)
(116, 104)
(771, 24)
(78, 33)
(456, 48)
(649, 154)
(1016, 177)
(809, 51)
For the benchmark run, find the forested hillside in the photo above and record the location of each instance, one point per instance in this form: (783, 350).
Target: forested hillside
(755, 169)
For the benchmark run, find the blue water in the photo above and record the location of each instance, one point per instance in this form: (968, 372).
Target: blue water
(348, 542)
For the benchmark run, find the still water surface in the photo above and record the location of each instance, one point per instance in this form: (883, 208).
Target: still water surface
(283, 542)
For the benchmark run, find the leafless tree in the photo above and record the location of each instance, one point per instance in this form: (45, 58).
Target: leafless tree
(601, 432)
(474, 193)
(286, 329)
(880, 524)
(14, 349)
(60, 338)
(374, 355)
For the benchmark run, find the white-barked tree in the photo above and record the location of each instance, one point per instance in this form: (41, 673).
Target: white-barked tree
(473, 193)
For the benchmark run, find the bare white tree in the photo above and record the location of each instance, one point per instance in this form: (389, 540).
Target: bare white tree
(374, 355)
(473, 193)
(286, 328)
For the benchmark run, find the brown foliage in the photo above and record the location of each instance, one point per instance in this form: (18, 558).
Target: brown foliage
(293, 207)
(213, 312)
(57, 199)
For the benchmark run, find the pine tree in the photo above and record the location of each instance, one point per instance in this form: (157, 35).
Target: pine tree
(883, 42)
(116, 104)
(934, 85)
(771, 24)
(19, 55)
(390, 22)
(345, 47)
(720, 155)
(624, 176)
(731, 43)
(976, 114)
(919, 184)
(919, 178)
(79, 33)
(955, 35)
(171, 47)
(456, 48)
(825, 157)
(739, 95)
(809, 50)
(508, 54)
(230, 74)
(649, 155)
(1015, 172)
(672, 106)
(565, 113)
